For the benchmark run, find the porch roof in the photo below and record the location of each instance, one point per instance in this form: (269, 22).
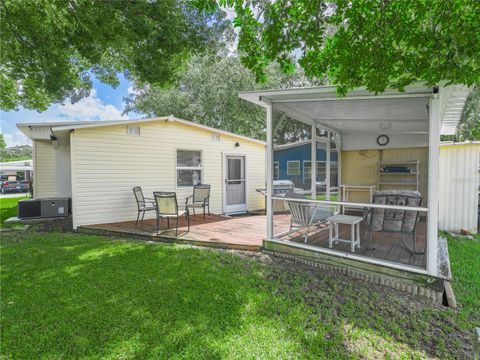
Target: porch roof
(362, 111)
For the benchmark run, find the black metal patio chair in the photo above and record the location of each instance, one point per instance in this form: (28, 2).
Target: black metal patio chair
(143, 204)
(167, 207)
(200, 199)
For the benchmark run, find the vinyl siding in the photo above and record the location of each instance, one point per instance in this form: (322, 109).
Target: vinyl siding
(107, 163)
(459, 184)
(360, 168)
(44, 170)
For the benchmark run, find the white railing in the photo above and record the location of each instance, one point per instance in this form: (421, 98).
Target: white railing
(355, 204)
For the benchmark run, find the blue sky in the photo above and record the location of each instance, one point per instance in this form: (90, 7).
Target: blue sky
(104, 103)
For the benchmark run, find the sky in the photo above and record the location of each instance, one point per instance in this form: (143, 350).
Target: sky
(104, 103)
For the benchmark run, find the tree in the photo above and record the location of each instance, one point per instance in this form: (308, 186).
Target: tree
(3, 144)
(14, 153)
(49, 50)
(469, 126)
(372, 43)
(207, 93)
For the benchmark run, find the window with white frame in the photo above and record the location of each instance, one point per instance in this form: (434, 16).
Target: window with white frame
(276, 170)
(189, 168)
(307, 171)
(293, 167)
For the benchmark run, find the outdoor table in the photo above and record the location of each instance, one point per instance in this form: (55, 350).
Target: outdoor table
(353, 221)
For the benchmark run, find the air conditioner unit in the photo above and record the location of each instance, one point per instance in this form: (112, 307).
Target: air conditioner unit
(43, 208)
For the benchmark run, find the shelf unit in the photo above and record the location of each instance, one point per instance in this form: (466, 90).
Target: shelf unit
(398, 178)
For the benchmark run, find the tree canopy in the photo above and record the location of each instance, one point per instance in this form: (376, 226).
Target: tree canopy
(207, 93)
(377, 44)
(49, 50)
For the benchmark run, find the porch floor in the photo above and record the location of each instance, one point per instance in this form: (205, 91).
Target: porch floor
(386, 246)
(247, 232)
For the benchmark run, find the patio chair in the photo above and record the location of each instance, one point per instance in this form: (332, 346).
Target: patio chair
(167, 207)
(393, 220)
(305, 215)
(143, 204)
(200, 199)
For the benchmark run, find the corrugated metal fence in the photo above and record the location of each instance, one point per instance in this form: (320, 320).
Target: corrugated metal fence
(459, 186)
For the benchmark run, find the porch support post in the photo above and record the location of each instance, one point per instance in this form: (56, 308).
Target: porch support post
(339, 164)
(327, 168)
(313, 163)
(433, 185)
(269, 175)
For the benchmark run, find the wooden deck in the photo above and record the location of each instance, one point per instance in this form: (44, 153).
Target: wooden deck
(387, 246)
(247, 232)
(233, 232)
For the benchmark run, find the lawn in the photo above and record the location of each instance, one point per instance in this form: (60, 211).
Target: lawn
(8, 208)
(465, 263)
(68, 295)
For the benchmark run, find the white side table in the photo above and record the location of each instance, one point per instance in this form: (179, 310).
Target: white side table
(353, 221)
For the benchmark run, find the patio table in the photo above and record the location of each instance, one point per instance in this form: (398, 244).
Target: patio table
(353, 221)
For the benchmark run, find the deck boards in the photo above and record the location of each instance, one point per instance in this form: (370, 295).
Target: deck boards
(247, 232)
(387, 246)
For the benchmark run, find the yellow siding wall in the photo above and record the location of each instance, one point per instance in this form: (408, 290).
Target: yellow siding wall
(360, 168)
(107, 163)
(44, 170)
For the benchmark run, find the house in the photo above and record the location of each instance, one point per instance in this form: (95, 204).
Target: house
(390, 140)
(97, 164)
(293, 162)
(16, 170)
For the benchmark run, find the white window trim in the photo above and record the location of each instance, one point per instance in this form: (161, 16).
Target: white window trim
(278, 169)
(293, 161)
(188, 168)
(307, 161)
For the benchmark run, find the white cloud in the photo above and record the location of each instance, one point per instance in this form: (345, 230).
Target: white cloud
(17, 138)
(91, 108)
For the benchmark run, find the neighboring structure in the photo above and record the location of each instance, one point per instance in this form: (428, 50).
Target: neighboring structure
(294, 162)
(16, 170)
(98, 163)
(459, 186)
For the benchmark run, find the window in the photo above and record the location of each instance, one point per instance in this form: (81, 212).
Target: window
(307, 171)
(322, 172)
(276, 170)
(293, 167)
(133, 130)
(189, 168)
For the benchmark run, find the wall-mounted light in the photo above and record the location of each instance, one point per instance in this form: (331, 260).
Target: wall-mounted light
(237, 144)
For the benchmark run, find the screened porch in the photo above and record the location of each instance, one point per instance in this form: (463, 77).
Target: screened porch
(357, 176)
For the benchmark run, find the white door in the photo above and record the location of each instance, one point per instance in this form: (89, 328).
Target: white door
(235, 185)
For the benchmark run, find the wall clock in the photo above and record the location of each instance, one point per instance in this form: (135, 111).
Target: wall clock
(383, 140)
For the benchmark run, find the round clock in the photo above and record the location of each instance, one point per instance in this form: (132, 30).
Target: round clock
(382, 140)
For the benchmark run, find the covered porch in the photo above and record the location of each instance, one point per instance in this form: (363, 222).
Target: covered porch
(378, 167)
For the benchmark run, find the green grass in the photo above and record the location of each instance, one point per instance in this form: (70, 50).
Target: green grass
(75, 296)
(8, 208)
(465, 264)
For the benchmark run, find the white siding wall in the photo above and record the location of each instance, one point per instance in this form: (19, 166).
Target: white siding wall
(459, 181)
(44, 173)
(107, 163)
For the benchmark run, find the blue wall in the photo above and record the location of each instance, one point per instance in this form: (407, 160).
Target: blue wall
(298, 153)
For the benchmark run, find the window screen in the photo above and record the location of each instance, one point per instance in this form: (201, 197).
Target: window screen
(189, 167)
